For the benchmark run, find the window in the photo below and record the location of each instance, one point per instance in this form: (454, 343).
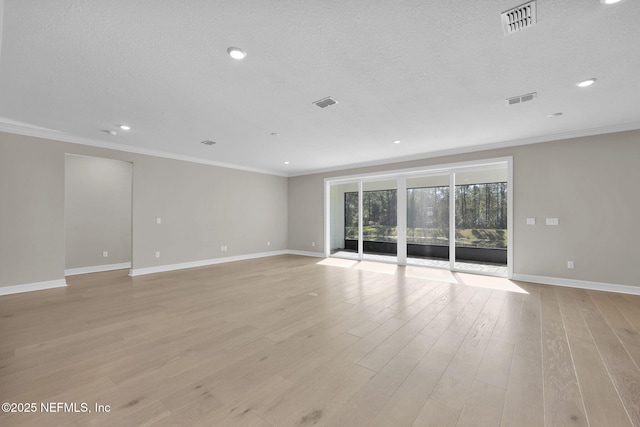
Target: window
(428, 215)
(481, 215)
(379, 215)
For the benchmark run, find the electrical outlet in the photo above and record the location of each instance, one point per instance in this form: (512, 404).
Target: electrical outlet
(157, 254)
(531, 221)
(105, 254)
(569, 264)
(552, 221)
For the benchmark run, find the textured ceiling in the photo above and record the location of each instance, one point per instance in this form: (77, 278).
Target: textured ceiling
(433, 75)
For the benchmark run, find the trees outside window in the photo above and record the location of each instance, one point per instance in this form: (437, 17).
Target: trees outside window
(481, 215)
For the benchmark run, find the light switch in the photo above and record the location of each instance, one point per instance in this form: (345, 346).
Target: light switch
(552, 221)
(158, 220)
(531, 221)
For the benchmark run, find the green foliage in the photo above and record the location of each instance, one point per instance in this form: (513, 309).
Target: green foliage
(481, 215)
(482, 238)
(479, 238)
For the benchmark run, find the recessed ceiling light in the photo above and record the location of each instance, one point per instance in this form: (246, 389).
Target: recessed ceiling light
(587, 82)
(396, 141)
(286, 162)
(554, 115)
(125, 127)
(236, 53)
(609, 1)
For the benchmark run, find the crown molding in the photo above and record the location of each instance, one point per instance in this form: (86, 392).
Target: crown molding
(483, 147)
(25, 129)
(10, 126)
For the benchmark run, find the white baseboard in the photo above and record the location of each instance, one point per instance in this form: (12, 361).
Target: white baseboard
(171, 267)
(96, 268)
(581, 284)
(29, 287)
(180, 266)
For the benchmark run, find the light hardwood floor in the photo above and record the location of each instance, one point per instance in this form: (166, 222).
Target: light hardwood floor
(285, 341)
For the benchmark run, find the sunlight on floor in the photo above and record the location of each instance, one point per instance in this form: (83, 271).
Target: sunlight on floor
(435, 274)
(338, 262)
(377, 267)
(489, 282)
(427, 273)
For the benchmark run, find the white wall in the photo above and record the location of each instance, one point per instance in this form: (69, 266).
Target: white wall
(202, 207)
(97, 211)
(589, 183)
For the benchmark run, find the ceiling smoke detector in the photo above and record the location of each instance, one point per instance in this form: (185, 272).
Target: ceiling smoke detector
(208, 142)
(522, 98)
(325, 102)
(519, 18)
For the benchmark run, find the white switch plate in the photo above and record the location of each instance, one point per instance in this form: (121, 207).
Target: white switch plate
(268, 243)
(552, 221)
(105, 254)
(531, 221)
(157, 254)
(569, 264)
(313, 243)
(158, 220)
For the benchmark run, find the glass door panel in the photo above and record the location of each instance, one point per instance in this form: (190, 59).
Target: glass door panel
(380, 220)
(481, 221)
(428, 221)
(344, 220)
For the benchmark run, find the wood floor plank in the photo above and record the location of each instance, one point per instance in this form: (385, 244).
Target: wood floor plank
(483, 406)
(626, 332)
(495, 366)
(524, 402)
(624, 373)
(563, 403)
(456, 381)
(404, 405)
(285, 341)
(601, 400)
(437, 414)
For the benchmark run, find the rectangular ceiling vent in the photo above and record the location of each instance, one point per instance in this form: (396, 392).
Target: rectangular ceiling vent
(519, 18)
(208, 142)
(325, 102)
(521, 98)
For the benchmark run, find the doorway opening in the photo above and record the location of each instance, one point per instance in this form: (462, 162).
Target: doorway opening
(98, 214)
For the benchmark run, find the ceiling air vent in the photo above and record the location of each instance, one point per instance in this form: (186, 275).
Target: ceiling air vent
(208, 142)
(325, 102)
(519, 18)
(521, 98)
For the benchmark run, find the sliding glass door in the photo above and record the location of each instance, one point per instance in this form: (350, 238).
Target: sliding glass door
(344, 235)
(380, 220)
(428, 220)
(455, 217)
(481, 221)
